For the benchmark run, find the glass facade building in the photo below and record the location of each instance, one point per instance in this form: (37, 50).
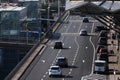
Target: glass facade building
(32, 7)
(10, 20)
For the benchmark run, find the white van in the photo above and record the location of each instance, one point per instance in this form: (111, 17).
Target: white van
(100, 66)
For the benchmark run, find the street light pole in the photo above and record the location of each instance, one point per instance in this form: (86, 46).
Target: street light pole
(58, 8)
(48, 15)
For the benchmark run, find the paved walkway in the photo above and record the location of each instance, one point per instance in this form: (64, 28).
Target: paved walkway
(114, 59)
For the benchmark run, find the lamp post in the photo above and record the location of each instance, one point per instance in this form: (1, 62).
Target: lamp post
(48, 15)
(27, 33)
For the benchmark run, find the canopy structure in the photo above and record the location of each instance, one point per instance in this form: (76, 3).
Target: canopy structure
(107, 12)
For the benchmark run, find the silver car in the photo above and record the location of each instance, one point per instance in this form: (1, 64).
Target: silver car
(83, 32)
(55, 71)
(62, 61)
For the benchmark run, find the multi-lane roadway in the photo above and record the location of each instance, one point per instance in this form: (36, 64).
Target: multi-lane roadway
(79, 50)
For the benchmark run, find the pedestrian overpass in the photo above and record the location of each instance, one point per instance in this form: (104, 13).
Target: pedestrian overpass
(107, 12)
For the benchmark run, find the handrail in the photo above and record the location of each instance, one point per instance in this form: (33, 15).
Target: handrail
(55, 26)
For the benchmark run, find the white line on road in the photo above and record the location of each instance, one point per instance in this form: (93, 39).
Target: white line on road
(42, 50)
(93, 48)
(44, 76)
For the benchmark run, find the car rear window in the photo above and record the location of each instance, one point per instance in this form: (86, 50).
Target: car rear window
(54, 68)
(61, 59)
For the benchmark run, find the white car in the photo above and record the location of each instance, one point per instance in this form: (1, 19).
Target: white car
(55, 71)
(83, 32)
(100, 66)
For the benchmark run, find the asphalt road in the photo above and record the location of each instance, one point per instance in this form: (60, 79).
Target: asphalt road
(79, 50)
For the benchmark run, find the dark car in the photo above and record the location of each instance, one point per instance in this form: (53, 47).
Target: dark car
(85, 20)
(99, 47)
(62, 61)
(99, 28)
(103, 33)
(103, 50)
(83, 32)
(102, 41)
(103, 56)
(58, 45)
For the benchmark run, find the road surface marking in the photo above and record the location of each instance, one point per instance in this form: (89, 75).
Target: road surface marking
(70, 47)
(43, 61)
(83, 61)
(93, 48)
(42, 50)
(44, 76)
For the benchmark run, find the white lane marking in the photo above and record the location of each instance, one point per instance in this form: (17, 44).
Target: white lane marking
(42, 50)
(83, 61)
(86, 47)
(56, 57)
(52, 47)
(60, 49)
(93, 48)
(70, 70)
(77, 50)
(43, 61)
(42, 79)
(44, 76)
(72, 34)
(66, 32)
(70, 47)
(69, 73)
(77, 47)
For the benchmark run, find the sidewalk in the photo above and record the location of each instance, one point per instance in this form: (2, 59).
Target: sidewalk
(114, 59)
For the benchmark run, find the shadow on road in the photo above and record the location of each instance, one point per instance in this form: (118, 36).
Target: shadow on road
(72, 67)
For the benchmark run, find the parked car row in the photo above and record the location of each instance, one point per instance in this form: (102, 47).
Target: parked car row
(100, 65)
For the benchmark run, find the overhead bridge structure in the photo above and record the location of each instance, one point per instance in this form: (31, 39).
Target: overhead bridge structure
(107, 12)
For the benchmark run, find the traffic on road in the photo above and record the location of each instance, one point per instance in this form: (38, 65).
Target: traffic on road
(71, 54)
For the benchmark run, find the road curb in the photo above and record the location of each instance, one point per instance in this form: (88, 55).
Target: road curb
(27, 64)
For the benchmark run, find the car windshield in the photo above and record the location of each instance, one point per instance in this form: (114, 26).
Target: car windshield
(55, 68)
(99, 64)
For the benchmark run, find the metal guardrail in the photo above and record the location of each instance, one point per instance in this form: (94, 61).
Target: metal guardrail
(54, 27)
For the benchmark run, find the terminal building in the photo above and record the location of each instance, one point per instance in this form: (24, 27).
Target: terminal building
(32, 7)
(10, 16)
(12, 27)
